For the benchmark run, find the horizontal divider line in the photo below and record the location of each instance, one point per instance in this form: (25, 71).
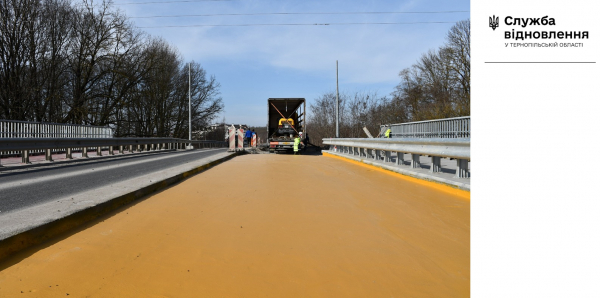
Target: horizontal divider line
(539, 62)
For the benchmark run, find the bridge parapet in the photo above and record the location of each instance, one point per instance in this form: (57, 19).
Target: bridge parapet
(458, 127)
(25, 145)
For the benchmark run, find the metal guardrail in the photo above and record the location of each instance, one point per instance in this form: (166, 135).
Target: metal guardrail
(459, 149)
(459, 127)
(68, 145)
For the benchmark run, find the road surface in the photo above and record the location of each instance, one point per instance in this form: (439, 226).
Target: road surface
(28, 186)
(264, 226)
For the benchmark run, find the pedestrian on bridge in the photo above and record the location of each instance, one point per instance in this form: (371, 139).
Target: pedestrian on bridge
(388, 133)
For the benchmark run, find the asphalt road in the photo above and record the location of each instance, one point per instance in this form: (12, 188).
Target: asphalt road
(29, 186)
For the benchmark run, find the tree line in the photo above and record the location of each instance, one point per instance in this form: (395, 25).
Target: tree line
(436, 86)
(85, 63)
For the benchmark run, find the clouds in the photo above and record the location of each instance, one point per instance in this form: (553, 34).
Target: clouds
(369, 55)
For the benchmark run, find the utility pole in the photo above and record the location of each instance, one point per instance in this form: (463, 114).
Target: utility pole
(190, 100)
(337, 102)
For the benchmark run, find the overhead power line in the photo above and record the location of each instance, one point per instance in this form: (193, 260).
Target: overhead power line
(292, 24)
(177, 1)
(301, 13)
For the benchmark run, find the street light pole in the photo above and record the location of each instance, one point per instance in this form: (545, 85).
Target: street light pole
(190, 100)
(337, 102)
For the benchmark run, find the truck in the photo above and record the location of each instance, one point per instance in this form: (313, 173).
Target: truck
(287, 120)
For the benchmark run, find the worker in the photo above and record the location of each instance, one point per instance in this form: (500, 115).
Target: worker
(296, 144)
(252, 138)
(248, 136)
(388, 133)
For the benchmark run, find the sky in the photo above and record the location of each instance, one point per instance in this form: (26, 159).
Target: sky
(254, 63)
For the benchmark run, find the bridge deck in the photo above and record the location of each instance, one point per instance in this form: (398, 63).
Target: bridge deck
(264, 225)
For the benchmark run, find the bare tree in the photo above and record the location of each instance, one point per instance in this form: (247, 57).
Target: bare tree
(85, 63)
(438, 85)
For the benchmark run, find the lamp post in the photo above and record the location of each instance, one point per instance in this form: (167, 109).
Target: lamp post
(337, 102)
(190, 103)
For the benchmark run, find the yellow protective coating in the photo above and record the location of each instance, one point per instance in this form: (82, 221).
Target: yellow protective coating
(320, 228)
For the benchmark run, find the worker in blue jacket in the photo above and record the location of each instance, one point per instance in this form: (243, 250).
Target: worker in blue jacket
(248, 136)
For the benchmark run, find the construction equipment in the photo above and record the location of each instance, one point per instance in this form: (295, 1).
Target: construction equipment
(286, 122)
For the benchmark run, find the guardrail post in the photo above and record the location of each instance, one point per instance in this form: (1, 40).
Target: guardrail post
(388, 156)
(25, 157)
(415, 161)
(69, 154)
(436, 166)
(462, 168)
(111, 150)
(48, 155)
(369, 153)
(98, 151)
(377, 155)
(84, 152)
(400, 158)
(120, 149)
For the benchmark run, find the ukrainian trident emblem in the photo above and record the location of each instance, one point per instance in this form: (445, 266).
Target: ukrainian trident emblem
(494, 22)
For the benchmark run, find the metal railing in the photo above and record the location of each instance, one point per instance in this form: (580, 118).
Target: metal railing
(23, 129)
(459, 127)
(49, 145)
(436, 148)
